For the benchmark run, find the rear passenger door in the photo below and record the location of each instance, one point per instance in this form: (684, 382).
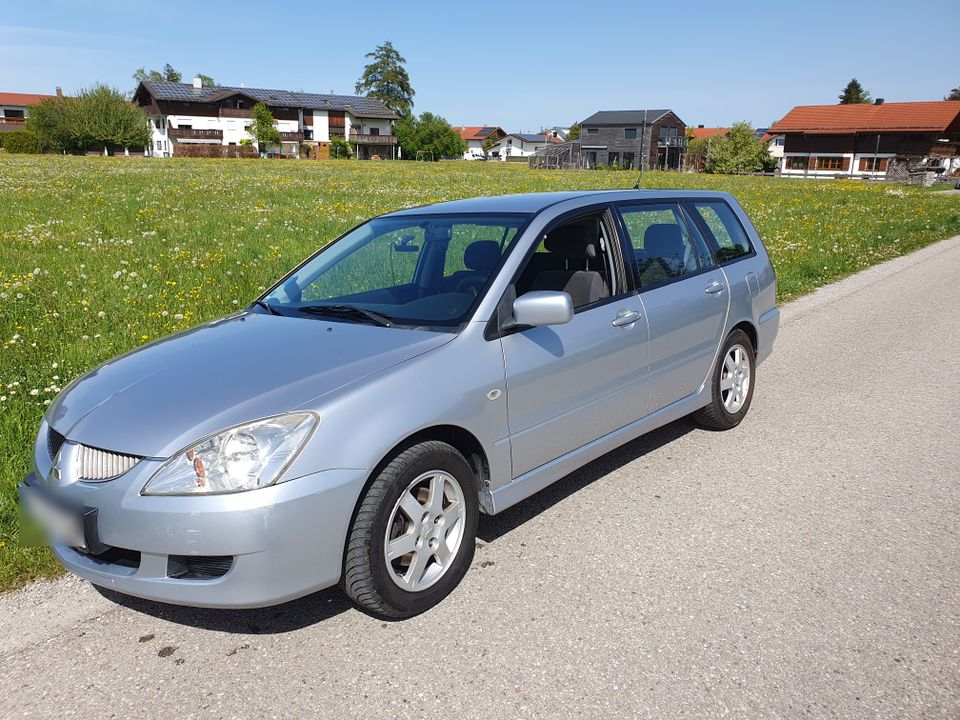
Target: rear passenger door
(685, 297)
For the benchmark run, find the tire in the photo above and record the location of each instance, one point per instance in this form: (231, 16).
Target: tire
(729, 404)
(437, 547)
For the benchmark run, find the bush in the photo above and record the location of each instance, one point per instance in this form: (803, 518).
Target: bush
(22, 141)
(340, 147)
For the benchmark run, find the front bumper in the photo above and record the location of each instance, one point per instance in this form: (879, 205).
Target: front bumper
(285, 540)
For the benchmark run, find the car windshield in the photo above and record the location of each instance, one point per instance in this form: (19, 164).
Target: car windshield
(423, 271)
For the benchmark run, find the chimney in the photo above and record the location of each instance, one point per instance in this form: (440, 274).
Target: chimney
(197, 82)
(878, 101)
(699, 126)
(59, 91)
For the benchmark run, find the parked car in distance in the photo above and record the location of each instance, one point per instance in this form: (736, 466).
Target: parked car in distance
(430, 365)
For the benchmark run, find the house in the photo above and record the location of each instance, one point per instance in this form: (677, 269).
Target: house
(560, 133)
(633, 139)
(862, 140)
(476, 136)
(519, 146)
(189, 113)
(773, 142)
(15, 108)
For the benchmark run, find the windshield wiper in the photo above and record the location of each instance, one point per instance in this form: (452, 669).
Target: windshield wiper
(348, 311)
(267, 306)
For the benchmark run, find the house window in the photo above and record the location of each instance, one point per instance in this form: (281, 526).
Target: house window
(592, 131)
(629, 133)
(829, 163)
(873, 164)
(778, 141)
(14, 113)
(668, 132)
(592, 159)
(613, 159)
(159, 145)
(628, 159)
(373, 131)
(796, 163)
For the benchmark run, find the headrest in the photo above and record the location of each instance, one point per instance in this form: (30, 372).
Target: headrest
(663, 240)
(575, 240)
(482, 256)
(437, 233)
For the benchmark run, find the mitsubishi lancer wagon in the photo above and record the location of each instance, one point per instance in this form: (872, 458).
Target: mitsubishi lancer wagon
(433, 364)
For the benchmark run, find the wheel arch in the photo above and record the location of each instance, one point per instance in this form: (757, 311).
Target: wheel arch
(750, 330)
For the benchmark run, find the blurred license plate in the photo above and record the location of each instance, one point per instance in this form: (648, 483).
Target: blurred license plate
(63, 525)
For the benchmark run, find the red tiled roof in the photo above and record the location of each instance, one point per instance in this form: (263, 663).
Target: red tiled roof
(933, 116)
(477, 132)
(698, 133)
(24, 99)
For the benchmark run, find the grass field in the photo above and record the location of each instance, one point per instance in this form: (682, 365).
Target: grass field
(100, 255)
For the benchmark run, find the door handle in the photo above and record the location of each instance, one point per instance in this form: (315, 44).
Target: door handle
(714, 287)
(625, 318)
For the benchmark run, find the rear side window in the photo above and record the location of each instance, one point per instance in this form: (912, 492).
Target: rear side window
(723, 225)
(662, 245)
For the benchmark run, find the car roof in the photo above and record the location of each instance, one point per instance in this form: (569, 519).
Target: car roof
(530, 203)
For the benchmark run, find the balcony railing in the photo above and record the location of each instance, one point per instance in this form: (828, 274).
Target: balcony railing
(12, 120)
(680, 142)
(291, 136)
(235, 113)
(366, 139)
(191, 134)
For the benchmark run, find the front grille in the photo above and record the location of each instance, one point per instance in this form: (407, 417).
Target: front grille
(96, 464)
(198, 567)
(54, 442)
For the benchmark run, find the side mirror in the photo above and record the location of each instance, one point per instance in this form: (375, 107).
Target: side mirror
(543, 307)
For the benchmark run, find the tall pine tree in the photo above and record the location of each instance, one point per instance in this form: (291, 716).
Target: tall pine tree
(386, 79)
(853, 94)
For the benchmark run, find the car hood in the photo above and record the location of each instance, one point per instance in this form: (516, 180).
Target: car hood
(156, 400)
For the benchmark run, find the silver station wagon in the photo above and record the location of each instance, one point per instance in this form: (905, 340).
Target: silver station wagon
(428, 366)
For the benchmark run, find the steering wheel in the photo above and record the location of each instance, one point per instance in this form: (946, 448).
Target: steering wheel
(471, 284)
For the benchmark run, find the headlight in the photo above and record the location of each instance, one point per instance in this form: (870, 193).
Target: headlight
(241, 458)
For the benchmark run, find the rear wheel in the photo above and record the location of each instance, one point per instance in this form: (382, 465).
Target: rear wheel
(413, 537)
(731, 384)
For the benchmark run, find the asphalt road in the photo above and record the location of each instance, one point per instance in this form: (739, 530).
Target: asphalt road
(806, 564)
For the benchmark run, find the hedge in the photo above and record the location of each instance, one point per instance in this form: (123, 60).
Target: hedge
(22, 141)
(197, 150)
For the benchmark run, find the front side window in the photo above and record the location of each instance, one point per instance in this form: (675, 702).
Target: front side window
(577, 258)
(662, 245)
(796, 163)
(829, 163)
(630, 134)
(727, 232)
(592, 131)
(424, 270)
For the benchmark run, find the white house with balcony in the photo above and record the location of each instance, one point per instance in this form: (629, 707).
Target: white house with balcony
(189, 113)
(518, 146)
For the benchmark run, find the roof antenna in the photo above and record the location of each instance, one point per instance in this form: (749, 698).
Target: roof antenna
(643, 150)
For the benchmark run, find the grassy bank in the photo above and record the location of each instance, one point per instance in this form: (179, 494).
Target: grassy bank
(100, 255)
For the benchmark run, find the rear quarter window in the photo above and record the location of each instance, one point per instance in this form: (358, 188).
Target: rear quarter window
(721, 222)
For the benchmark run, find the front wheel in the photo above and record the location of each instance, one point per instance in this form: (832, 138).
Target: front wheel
(731, 384)
(413, 537)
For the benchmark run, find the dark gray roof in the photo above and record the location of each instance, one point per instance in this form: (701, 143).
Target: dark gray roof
(624, 117)
(186, 92)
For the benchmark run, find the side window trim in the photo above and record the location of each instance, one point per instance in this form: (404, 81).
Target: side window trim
(691, 208)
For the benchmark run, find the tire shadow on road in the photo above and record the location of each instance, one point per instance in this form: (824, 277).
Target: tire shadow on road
(494, 526)
(288, 617)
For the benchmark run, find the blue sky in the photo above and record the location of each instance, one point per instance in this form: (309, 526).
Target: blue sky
(519, 66)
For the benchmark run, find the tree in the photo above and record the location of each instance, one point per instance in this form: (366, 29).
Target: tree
(50, 121)
(954, 94)
(340, 147)
(168, 74)
(98, 117)
(854, 94)
(263, 129)
(101, 117)
(386, 79)
(490, 143)
(206, 80)
(574, 133)
(737, 151)
(428, 134)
